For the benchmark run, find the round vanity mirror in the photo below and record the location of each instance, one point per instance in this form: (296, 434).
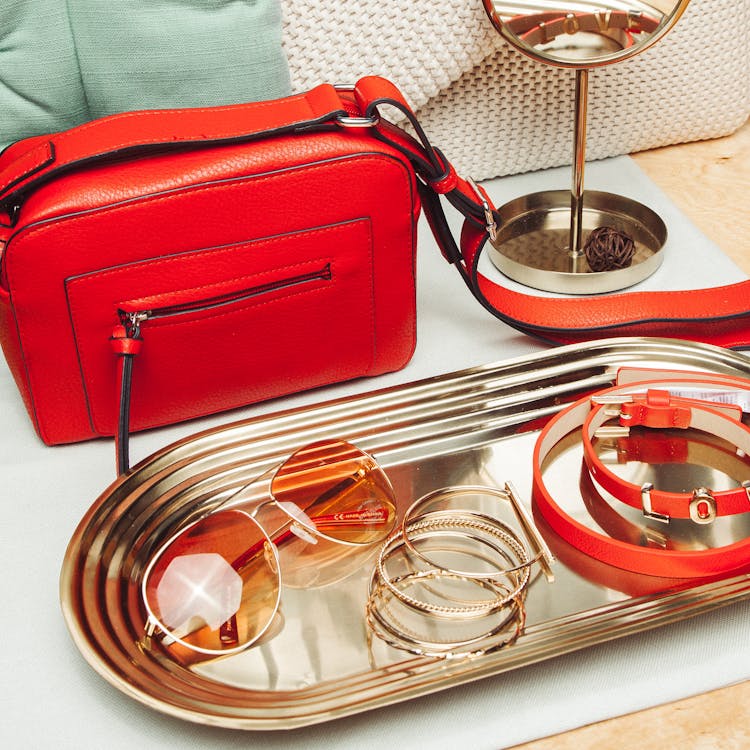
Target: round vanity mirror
(578, 33)
(577, 242)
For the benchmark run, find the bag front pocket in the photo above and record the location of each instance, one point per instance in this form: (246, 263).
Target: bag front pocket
(226, 326)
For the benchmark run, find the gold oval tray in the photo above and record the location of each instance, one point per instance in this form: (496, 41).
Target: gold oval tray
(476, 426)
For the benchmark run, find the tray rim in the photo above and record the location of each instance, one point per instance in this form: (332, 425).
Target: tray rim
(694, 600)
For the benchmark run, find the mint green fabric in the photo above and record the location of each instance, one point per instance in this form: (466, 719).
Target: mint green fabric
(65, 62)
(40, 86)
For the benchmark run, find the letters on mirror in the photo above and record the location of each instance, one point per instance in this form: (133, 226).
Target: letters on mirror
(580, 33)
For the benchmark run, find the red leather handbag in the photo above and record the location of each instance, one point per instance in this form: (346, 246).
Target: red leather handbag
(227, 255)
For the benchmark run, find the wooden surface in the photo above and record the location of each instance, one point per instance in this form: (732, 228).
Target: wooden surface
(710, 182)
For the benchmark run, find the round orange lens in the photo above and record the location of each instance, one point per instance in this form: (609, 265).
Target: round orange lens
(336, 490)
(215, 587)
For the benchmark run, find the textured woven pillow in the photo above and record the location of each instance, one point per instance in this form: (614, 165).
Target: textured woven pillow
(494, 112)
(62, 63)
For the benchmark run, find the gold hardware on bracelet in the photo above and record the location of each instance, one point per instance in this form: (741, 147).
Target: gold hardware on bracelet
(702, 506)
(415, 601)
(544, 555)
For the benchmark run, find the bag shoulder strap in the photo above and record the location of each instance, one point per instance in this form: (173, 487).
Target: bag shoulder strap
(28, 163)
(718, 315)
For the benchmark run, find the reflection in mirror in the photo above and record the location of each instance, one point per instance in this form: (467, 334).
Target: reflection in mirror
(576, 33)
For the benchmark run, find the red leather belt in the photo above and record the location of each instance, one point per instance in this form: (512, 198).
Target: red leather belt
(656, 409)
(655, 448)
(658, 450)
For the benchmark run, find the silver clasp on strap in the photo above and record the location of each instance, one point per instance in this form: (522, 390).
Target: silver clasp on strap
(351, 121)
(489, 217)
(648, 511)
(357, 122)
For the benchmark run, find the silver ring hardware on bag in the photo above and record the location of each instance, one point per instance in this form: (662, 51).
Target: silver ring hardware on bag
(351, 121)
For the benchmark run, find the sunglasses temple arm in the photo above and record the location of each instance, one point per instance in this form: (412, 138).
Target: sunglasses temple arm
(257, 549)
(228, 632)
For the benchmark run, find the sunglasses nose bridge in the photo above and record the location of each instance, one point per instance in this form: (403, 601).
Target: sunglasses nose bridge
(302, 525)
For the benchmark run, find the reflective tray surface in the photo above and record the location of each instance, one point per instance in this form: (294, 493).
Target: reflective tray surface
(319, 662)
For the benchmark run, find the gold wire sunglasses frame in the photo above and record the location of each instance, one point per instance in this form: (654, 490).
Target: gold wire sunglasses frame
(214, 587)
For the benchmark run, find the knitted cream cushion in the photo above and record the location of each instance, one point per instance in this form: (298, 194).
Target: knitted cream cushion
(494, 111)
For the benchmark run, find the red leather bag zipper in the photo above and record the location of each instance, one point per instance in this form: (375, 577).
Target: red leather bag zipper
(132, 319)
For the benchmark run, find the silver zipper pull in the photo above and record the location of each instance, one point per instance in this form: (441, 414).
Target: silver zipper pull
(132, 322)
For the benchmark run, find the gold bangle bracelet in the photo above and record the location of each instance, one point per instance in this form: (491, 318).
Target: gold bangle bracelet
(465, 526)
(507, 623)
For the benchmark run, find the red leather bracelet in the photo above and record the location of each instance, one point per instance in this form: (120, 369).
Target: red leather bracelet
(602, 574)
(658, 409)
(647, 448)
(663, 562)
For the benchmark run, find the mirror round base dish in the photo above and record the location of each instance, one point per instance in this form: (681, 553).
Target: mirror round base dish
(532, 245)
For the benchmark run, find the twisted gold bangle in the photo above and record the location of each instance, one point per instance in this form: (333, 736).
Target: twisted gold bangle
(462, 524)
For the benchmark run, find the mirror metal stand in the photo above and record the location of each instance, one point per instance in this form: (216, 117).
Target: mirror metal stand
(579, 164)
(550, 240)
